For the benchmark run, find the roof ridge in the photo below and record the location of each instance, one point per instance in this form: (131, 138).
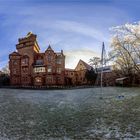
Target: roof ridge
(85, 63)
(49, 48)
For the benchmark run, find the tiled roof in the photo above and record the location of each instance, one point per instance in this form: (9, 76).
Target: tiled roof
(49, 47)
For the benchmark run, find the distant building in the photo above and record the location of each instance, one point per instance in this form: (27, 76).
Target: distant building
(124, 81)
(77, 76)
(109, 76)
(28, 66)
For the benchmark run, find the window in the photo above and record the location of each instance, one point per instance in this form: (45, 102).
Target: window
(14, 71)
(25, 61)
(39, 69)
(24, 69)
(15, 80)
(24, 79)
(15, 62)
(58, 60)
(49, 58)
(58, 79)
(39, 62)
(49, 69)
(58, 70)
(49, 79)
(38, 79)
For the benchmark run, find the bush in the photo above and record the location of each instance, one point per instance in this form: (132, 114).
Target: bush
(4, 80)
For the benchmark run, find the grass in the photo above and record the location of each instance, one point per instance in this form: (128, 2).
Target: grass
(22, 119)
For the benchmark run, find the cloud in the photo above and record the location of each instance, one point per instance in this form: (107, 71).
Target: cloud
(79, 28)
(3, 63)
(75, 28)
(73, 56)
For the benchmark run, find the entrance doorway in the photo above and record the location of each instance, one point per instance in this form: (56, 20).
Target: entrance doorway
(38, 81)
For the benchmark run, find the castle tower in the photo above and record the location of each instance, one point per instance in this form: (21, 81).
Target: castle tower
(30, 67)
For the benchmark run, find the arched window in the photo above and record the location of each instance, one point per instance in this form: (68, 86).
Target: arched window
(58, 60)
(49, 69)
(59, 70)
(25, 60)
(15, 62)
(49, 57)
(38, 79)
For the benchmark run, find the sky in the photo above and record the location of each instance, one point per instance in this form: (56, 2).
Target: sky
(78, 27)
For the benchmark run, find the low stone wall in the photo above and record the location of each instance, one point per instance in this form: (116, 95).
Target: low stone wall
(48, 87)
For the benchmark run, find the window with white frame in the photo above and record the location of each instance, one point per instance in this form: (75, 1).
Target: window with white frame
(49, 57)
(58, 70)
(58, 60)
(49, 69)
(39, 69)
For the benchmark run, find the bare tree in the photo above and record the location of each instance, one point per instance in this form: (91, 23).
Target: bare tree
(95, 62)
(126, 48)
(6, 69)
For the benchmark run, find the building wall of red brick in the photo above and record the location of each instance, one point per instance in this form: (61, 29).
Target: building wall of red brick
(77, 76)
(30, 67)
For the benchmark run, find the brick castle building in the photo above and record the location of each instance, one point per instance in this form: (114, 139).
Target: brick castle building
(30, 67)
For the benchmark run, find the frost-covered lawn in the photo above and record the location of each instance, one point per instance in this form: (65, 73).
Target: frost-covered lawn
(70, 114)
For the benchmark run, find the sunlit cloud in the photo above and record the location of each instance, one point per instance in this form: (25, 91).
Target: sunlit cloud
(67, 26)
(80, 28)
(73, 56)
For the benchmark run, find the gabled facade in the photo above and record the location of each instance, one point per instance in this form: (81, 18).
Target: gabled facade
(82, 66)
(77, 76)
(81, 70)
(28, 66)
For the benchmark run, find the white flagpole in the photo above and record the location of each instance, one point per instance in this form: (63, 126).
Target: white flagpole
(102, 59)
